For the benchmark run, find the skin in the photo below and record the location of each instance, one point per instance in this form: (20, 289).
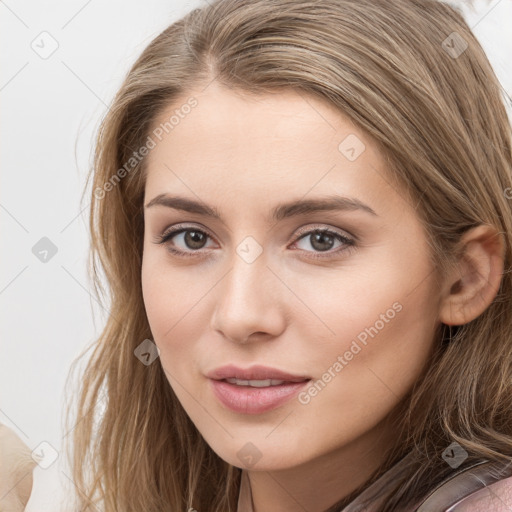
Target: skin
(244, 155)
(16, 471)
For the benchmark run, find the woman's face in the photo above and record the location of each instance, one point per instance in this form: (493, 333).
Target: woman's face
(316, 266)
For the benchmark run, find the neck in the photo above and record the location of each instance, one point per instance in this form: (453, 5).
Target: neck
(335, 478)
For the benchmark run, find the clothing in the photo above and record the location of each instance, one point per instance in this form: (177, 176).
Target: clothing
(482, 487)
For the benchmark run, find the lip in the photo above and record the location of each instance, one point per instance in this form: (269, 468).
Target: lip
(256, 372)
(254, 400)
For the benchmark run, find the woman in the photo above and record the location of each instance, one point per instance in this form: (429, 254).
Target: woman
(301, 211)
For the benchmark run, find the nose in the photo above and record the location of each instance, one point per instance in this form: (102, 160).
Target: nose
(249, 303)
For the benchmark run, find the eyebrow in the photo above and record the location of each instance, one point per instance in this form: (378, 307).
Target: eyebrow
(280, 212)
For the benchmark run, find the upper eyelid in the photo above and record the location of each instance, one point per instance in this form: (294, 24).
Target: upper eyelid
(179, 228)
(324, 227)
(303, 230)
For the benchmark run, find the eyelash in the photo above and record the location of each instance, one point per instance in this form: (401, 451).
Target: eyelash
(168, 235)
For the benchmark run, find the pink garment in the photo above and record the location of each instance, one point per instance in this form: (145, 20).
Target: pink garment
(496, 497)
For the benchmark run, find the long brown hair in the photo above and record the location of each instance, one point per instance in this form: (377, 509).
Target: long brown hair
(411, 74)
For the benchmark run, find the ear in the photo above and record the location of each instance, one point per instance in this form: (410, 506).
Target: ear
(476, 278)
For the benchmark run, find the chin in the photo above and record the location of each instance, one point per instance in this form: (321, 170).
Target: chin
(260, 454)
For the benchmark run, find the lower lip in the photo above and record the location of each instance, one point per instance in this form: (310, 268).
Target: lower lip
(252, 400)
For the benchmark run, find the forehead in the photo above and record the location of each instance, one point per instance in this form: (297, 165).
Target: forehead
(234, 119)
(232, 143)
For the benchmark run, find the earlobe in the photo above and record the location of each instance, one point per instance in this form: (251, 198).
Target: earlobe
(476, 279)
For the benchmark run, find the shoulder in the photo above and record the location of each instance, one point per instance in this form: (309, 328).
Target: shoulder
(496, 497)
(16, 466)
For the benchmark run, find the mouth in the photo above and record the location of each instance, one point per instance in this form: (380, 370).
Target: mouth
(256, 373)
(254, 390)
(257, 383)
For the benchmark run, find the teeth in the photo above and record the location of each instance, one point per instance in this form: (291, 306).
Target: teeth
(255, 383)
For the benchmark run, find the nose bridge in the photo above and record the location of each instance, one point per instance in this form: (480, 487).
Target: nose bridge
(248, 298)
(245, 278)
(246, 286)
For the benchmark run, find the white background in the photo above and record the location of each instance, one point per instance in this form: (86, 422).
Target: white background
(51, 109)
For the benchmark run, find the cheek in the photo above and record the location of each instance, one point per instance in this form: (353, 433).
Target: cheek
(174, 300)
(374, 330)
(374, 300)
(383, 341)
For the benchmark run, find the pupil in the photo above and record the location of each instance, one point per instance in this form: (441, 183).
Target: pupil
(194, 239)
(319, 241)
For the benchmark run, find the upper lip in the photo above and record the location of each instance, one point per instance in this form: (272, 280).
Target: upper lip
(257, 372)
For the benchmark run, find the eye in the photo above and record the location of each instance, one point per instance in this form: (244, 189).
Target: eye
(322, 240)
(191, 238)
